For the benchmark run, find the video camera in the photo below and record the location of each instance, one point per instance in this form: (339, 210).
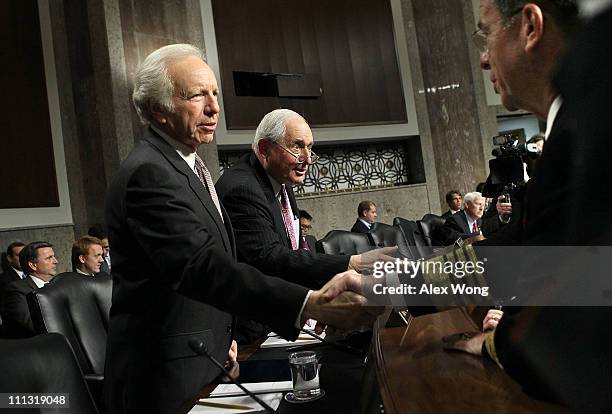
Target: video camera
(506, 169)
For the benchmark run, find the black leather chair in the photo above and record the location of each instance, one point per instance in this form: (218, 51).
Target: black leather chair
(413, 236)
(385, 235)
(44, 364)
(428, 225)
(344, 242)
(77, 306)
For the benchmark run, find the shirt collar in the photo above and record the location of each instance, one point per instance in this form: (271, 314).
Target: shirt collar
(39, 282)
(79, 271)
(552, 115)
(470, 220)
(276, 186)
(19, 272)
(369, 225)
(186, 152)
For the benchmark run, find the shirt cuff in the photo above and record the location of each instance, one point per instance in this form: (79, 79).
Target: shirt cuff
(298, 320)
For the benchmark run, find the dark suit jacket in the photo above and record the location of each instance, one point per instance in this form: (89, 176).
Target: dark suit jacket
(563, 354)
(7, 277)
(455, 227)
(175, 279)
(448, 214)
(310, 240)
(261, 237)
(16, 320)
(359, 227)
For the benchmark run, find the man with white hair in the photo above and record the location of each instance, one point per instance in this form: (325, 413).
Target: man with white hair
(257, 193)
(175, 278)
(464, 224)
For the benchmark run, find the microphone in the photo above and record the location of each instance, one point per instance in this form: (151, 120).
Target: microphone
(199, 348)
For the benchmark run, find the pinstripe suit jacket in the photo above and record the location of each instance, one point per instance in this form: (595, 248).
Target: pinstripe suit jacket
(261, 239)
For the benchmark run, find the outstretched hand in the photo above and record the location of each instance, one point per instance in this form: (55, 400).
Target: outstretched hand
(340, 304)
(364, 263)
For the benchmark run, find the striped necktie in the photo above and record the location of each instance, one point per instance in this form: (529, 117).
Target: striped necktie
(204, 176)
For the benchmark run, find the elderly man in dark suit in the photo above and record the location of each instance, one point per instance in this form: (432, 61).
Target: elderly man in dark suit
(464, 224)
(557, 353)
(175, 277)
(257, 193)
(40, 266)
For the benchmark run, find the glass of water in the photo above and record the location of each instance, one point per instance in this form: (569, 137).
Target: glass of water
(305, 374)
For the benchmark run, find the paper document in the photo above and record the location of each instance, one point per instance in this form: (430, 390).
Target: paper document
(230, 395)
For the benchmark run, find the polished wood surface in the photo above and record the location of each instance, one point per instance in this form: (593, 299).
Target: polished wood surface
(417, 375)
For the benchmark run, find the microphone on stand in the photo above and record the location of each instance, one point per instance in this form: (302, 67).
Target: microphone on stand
(199, 347)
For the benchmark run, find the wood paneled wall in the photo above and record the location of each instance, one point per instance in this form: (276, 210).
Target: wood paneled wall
(348, 43)
(27, 171)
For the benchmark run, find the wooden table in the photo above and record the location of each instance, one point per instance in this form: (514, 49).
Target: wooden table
(416, 375)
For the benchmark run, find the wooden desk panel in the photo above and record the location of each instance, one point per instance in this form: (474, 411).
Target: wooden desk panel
(417, 376)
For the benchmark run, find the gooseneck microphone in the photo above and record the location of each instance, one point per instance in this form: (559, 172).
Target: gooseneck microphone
(199, 347)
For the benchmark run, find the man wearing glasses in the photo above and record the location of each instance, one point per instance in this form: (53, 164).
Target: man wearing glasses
(258, 196)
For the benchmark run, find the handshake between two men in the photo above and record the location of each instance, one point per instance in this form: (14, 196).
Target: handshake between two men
(341, 303)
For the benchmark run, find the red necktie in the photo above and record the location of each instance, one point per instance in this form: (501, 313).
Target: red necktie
(475, 227)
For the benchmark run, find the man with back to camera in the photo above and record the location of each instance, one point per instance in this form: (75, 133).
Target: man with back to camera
(175, 277)
(366, 217)
(556, 353)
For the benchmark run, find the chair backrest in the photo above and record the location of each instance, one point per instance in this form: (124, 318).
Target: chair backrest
(428, 225)
(76, 306)
(44, 364)
(344, 242)
(385, 235)
(413, 236)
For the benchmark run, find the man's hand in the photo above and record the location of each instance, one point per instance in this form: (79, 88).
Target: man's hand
(364, 263)
(340, 304)
(504, 210)
(232, 354)
(491, 320)
(470, 342)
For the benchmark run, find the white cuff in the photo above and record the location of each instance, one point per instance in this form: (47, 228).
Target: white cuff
(298, 321)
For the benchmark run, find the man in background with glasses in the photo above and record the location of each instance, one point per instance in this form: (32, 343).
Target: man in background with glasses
(257, 193)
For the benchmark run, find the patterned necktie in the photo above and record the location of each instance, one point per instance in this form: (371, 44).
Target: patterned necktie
(305, 243)
(475, 227)
(287, 219)
(204, 176)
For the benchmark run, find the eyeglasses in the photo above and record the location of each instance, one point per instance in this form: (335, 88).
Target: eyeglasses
(481, 39)
(300, 158)
(306, 226)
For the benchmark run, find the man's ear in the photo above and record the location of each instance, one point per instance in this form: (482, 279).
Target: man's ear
(32, 266)
(263, 146)
(82, 259)
(532, 26)
(158, 113)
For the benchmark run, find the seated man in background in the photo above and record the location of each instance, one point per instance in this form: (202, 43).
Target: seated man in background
(13, 271)
(454, 200)
(464, 224)
(40, 265)
(307, 242)
(87, 256)
(99, 232)
(366, 217)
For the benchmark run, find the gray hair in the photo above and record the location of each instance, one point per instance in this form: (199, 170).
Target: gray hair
(273, 126)
(471, 197)
(152, 84)
(564, 12)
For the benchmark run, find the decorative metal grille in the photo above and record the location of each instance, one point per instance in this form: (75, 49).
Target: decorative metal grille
(350, 167)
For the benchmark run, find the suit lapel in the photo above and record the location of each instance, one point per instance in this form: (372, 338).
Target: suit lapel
(30, 282)
(273, 204)
(194, 182)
